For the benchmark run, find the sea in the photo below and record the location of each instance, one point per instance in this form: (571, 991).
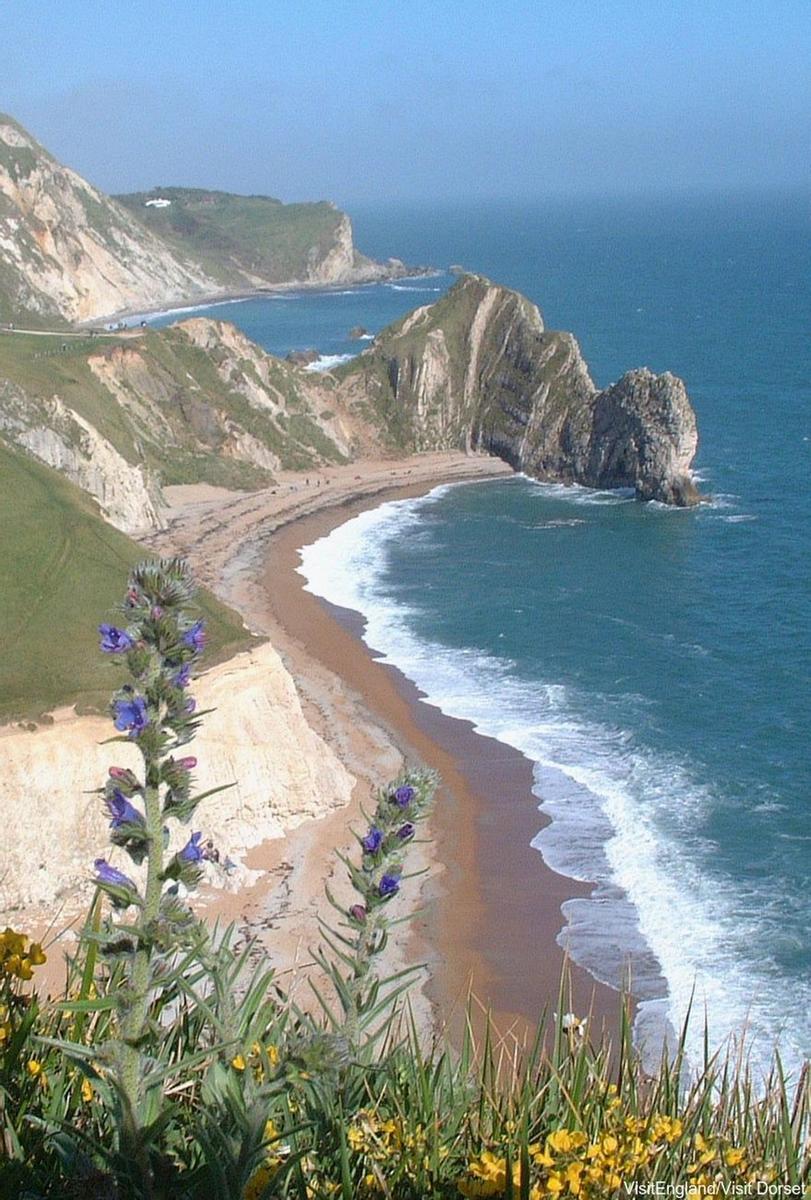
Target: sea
(653, 663)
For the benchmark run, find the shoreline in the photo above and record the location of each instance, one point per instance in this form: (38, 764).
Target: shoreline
(235, 295)
(480, 862)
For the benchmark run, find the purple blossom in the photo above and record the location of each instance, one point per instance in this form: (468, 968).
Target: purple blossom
(182, 677)
(389, 885)
(192, 851)
(373, 840)
(196, 636)
(405, 831)
(188, 763)
(131, 714)
(121, 811)
(358, 912)
(403, 796)
(107, 874)
(191, 704)
(114, 641)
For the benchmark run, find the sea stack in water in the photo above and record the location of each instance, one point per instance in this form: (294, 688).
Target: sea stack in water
(478, 370)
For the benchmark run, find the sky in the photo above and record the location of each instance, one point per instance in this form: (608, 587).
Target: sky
(384, 102)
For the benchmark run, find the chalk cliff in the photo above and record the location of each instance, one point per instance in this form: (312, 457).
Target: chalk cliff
(478, 369)
(257, 738)
(68, 251)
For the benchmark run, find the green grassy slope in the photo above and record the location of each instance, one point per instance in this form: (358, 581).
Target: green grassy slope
(62, 571)
(231, 236)
(175, 410)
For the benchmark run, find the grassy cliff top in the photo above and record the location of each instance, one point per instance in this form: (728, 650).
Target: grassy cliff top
(236, 237)
(64, 570)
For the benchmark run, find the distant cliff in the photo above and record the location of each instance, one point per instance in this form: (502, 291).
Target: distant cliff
(69, 253)
(478, 370)
(256, 241)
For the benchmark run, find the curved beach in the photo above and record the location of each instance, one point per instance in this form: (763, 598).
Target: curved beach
(489, 907)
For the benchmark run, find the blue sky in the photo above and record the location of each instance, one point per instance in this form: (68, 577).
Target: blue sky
(400, 101)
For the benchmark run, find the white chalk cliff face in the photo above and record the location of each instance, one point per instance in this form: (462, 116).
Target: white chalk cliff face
(257, 738)
(478, 368)
(68, 250)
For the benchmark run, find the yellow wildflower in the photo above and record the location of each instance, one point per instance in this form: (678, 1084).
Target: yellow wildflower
(238, 1062)
(87, 1091)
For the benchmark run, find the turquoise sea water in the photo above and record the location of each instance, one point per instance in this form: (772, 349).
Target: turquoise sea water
(653, 663)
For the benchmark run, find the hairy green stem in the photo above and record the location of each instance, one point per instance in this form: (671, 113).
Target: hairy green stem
(133, 1024)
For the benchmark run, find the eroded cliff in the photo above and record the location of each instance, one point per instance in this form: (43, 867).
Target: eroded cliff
(478, 369)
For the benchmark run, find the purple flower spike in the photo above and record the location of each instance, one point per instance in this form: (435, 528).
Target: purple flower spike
(195, 637)
(405, 831)
(359, 913)
(389, 885)
(107, 874)
(114, 641)
(182, 677)
(373, 841)
(121, 811)
(131, 715)
(192, 852)
(403, 796)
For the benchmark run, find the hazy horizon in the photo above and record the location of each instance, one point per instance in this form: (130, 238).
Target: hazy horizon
(373, 104)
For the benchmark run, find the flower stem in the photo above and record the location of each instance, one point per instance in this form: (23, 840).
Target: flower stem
(133, 1023)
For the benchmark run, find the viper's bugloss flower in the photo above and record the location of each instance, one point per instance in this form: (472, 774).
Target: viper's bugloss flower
(389, 885)
(192, 852)
(196, 636)
(182, 677)
(406, 831)
(403, 796)
(157, 612)
(121, 811)
(107, 874)
(358, 912)
(131, 715)
(188, 763)
(373, 840)
(113, 640)
(190, 705)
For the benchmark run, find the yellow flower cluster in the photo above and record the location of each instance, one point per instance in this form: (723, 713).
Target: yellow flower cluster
(569, 1164)
(256, 1059)
(265, 1172)
(716, 1159)
(383, 1142)
(18, 956)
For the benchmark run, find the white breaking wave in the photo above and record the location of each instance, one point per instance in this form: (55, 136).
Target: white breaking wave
(159, 314)
(399, 287)
(325, 362)
(611, 804)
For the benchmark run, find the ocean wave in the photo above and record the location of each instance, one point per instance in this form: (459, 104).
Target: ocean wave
(399, 287)
(620, 816)
(325, 362)
(161, 314)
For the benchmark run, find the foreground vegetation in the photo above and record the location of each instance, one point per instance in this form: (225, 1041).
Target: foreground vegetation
(176, 1065)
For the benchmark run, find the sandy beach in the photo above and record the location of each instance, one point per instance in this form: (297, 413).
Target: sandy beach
(489, 909)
